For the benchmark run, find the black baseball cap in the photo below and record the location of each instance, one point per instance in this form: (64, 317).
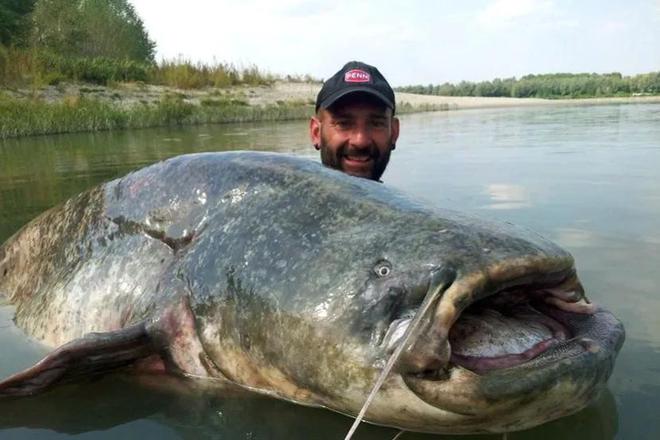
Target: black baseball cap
(355, 76)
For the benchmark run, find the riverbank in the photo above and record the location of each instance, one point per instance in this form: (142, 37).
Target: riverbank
(476, 102)
(67, 107)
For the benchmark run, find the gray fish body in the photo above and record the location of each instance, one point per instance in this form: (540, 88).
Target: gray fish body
(294, 280)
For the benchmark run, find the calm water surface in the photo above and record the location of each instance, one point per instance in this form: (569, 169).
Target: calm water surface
(586, 177)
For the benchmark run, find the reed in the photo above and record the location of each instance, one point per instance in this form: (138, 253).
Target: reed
(18, 67)
(185, 74)
(25, 67)
(33, 68)
(78, 114)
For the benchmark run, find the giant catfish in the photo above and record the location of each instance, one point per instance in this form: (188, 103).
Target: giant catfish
(297, 281)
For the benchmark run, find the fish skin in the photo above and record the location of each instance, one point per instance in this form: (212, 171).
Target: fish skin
(262, 270)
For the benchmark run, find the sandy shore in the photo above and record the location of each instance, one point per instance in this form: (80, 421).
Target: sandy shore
(131, 94)
(468, 102)
(307, 92)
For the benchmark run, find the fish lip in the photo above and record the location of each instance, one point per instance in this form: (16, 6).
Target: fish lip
(587, 355)
(581, 372)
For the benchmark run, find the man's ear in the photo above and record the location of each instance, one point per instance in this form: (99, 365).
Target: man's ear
(315, 131)
(395, 131)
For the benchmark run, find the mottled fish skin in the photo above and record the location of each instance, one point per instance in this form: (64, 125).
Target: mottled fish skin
(279, 261)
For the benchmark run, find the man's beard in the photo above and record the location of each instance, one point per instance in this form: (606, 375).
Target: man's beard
(333, 159)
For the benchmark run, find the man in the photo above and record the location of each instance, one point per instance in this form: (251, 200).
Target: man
(354, 127)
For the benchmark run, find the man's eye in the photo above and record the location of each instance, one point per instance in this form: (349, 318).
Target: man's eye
(342, 123)
(378, 123)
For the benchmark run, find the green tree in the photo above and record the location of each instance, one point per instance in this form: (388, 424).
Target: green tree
(553, 85)
(14, 23)
(91, 28)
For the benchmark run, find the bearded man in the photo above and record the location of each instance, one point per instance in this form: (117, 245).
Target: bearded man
(354, 127)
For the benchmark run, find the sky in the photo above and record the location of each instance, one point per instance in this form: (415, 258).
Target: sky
(413, 41)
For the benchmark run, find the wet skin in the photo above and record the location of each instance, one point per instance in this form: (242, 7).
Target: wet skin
(355, 135)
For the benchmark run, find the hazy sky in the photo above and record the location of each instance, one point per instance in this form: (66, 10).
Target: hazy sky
(414, 41)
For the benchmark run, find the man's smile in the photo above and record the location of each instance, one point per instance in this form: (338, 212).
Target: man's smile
(362, 158)
(357, 163)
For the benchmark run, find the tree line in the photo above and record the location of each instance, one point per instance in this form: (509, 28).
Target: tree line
(44, 42)
(47, 41)
(76, 28)
(557, 85)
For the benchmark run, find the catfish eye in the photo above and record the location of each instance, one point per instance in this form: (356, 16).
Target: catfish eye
(383, 269)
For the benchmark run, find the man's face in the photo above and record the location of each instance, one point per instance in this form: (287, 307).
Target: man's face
(355, 135)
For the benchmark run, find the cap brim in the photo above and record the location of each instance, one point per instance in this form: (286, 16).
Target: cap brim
(327, 102)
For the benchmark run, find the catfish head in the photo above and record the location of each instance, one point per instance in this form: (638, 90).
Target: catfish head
(487, 327)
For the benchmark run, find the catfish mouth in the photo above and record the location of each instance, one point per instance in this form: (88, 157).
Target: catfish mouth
(534, 321)
(512, 327)
(534, 338)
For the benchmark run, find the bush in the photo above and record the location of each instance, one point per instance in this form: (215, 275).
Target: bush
(32, 67)
(94, 70)
(185, 74)
(173, 110)
(17, 66)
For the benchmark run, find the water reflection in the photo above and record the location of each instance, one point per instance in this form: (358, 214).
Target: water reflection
(574, 237)
(507, 196)
(37, 173)
(636, 386)
(172, 408)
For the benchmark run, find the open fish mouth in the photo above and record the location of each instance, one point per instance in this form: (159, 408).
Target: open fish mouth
(527, 324)
(489, 345)
(515, 326)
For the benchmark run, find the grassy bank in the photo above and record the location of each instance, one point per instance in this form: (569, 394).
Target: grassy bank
(35, 117)
(30, 117)
(45, 93)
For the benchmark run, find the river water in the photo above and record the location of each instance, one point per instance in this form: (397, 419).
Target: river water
(587, 177)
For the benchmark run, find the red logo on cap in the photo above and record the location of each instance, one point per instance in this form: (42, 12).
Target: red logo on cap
(357, 76)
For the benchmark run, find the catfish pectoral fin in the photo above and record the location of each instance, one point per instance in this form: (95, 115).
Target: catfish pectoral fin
(93, 354)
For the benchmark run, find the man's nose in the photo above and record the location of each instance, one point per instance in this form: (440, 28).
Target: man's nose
(361, 137)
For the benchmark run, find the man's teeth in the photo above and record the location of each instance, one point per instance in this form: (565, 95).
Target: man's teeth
(358, 158)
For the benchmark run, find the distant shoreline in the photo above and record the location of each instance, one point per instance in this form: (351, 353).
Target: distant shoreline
(476, 102)
(68, 107)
